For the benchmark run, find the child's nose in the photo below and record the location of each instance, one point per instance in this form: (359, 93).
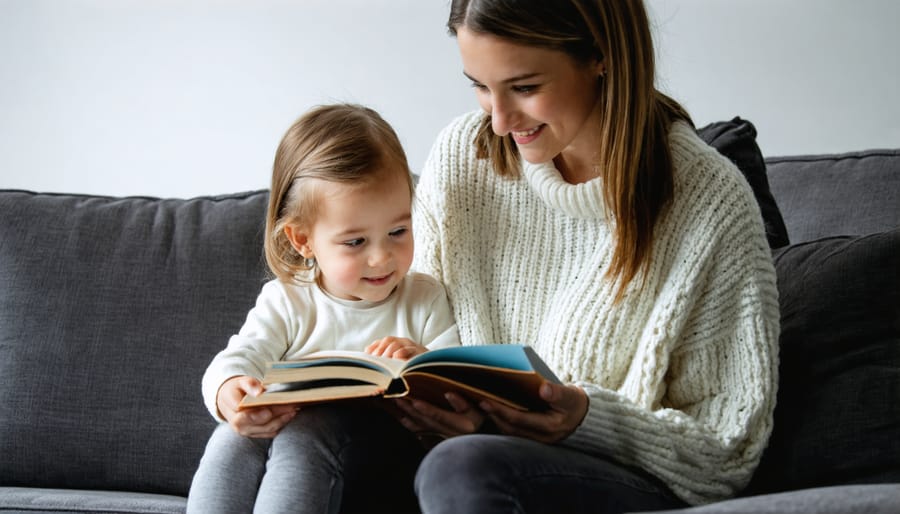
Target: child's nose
(380, 255)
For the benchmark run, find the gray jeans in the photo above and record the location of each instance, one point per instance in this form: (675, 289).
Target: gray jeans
(345, 457)
(496, 473)
(350, 458)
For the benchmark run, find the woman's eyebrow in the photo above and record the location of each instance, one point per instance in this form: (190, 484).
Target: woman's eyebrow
(517, 78)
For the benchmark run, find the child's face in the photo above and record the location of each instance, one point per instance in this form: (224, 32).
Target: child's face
(362, 239)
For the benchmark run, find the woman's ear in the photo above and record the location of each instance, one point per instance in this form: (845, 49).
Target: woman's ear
(600, 67)
(299, 240)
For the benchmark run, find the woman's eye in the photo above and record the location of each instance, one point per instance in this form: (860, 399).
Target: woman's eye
(353, 243)
(478, 86)
(524, 89)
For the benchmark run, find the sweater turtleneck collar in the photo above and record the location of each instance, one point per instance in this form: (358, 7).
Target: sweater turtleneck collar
(584, 201)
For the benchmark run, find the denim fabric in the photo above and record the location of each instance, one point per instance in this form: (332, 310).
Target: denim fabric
(494, 473)
(328, 459)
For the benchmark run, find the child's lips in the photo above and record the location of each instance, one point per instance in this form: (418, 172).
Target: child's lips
(379, 280)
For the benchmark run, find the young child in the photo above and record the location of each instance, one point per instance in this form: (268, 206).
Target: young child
(339, 242)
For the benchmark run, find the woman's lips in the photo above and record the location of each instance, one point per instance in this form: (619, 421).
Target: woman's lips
(527, 136)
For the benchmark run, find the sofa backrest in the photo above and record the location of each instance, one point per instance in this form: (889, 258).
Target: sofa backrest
(110, 311)
(853, 193)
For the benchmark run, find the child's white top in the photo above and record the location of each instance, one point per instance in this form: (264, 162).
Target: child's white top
(291, 320)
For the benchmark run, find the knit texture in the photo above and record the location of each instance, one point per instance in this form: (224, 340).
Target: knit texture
(682, 373)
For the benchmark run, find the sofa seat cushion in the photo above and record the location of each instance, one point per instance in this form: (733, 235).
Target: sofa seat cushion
(111, 310)
(837, 420)
(850, 499)
(35, 500)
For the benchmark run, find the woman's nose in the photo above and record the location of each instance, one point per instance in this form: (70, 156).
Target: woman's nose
(501, 116)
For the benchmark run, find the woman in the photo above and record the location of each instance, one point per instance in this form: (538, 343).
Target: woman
(580, 213)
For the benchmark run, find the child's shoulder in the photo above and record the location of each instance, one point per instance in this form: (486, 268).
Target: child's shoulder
(294, 291)
(423, 280)
(422, 285)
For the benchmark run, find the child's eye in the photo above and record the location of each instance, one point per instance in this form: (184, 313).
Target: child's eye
(397, 232)
(353, 243)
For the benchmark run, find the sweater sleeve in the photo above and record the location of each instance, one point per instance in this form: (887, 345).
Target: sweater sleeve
(713, 373)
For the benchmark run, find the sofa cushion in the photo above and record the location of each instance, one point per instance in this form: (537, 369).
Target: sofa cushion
(111, 310)
(813, 190)
(736, 139)
(850, 499)
(837, 420)
(33, 500)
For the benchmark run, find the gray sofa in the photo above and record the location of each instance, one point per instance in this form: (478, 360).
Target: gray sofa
(111, 308)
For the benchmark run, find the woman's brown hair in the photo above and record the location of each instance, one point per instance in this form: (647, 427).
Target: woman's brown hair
(634, 161)
(344, 143)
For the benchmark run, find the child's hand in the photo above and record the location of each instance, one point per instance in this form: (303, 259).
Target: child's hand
(395, 347)
(262, 422)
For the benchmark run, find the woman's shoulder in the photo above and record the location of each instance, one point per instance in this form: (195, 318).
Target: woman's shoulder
(694, 158)
(458, 136)
(452, 162)
(465, 123)
(712, 197)
(700, 168)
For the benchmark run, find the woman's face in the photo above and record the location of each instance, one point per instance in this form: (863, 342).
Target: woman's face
(547, 100)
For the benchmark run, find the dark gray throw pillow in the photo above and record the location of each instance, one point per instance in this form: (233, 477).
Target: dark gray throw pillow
(736, 139)
(837, 420)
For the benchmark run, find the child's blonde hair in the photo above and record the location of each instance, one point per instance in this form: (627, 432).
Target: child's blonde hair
(344, 143)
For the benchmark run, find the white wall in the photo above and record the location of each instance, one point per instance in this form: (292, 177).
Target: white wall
(814, 76)
(190, 97)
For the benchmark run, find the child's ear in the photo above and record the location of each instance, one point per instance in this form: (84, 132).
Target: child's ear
(299, 240)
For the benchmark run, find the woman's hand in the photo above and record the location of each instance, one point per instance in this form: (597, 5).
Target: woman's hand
(568, 406)
(395, 347)
(422, 417)
(262, 422)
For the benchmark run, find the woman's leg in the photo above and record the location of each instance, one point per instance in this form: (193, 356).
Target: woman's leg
(229, 473)
(495, 473)
(340, 457)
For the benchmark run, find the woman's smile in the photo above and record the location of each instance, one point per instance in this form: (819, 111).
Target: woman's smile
(527, 136)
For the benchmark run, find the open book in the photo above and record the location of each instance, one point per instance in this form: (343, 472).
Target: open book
(507, 373)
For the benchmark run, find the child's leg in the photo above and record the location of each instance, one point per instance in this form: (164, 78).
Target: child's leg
(228, 477)
(341, 458)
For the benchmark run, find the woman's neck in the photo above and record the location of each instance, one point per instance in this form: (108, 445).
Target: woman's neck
(574, 170)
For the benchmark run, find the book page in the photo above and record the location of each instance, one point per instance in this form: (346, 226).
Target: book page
(392, 367)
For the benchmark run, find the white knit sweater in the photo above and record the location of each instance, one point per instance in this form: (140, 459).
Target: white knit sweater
(681, 374)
